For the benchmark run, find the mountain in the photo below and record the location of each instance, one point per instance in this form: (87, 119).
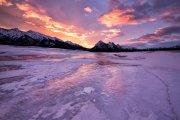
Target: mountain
(101, 46)
(31, 38)
(110, 47)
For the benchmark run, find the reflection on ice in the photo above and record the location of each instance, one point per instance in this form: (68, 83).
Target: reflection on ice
(114, 85)
(72, 79)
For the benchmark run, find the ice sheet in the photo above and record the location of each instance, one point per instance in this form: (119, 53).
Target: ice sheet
(77, 85)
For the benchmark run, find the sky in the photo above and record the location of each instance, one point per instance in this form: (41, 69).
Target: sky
(124, 22)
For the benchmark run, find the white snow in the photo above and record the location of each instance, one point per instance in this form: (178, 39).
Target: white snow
(14, 33)
(88, 90)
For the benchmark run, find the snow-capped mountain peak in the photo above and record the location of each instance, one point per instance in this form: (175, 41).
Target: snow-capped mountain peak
(100, 44)
(110, 46)
(36, 35)
(31, 38)
(13, 33)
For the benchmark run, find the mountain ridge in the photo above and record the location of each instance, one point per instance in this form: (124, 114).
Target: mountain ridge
(31, 38)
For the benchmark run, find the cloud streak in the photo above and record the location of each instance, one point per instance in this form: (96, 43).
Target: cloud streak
(118, 17)
(111, 33)
(171, 15)
(171, 33)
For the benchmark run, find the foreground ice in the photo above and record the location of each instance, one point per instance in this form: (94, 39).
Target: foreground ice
(56, 84)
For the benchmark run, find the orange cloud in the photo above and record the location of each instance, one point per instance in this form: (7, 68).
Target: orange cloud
(120, 17)
(31, 12)
(64, 31)
(116, 17)
(5, 3)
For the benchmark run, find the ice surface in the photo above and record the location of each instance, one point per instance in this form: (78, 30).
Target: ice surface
(76, 85)
(90, 112)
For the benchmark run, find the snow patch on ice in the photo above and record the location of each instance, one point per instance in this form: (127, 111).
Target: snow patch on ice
(88, 90)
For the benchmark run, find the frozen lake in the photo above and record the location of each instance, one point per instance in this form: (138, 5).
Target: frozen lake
(55, 84)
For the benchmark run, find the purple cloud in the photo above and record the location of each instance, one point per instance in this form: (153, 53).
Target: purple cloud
(171, 33)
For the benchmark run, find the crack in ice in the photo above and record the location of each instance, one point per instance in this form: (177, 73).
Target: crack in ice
(167, 92)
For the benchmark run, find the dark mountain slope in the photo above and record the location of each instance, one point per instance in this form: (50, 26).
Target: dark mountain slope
(31, 38)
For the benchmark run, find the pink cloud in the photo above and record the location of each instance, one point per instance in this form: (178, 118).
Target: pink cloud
(88, 10)
(5, 3)
(118, 17)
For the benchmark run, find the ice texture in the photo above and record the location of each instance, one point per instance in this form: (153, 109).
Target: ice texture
(58, 84)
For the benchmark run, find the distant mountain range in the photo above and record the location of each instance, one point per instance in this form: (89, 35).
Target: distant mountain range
(31, 38)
